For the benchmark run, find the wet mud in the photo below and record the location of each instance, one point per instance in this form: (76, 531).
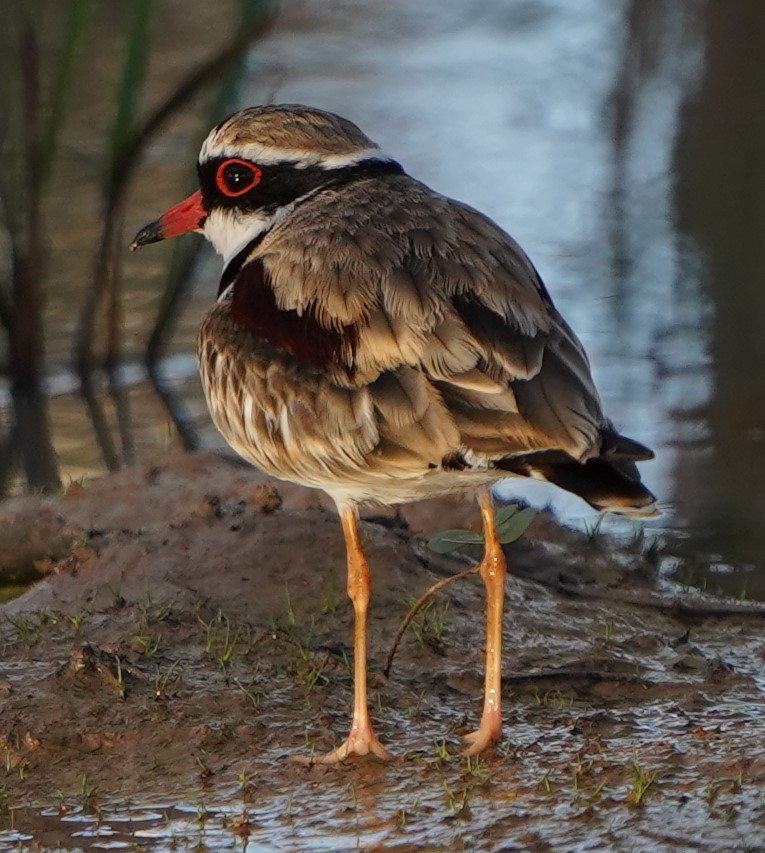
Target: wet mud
(190, 636)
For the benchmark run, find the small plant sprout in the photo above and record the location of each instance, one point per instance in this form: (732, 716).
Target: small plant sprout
(329, 598)
(87, 793)
(429, 624)
(163, 679)
(28, 627)
(5, 809)
(592, 531)
(641, 782)
(76, 619)
(441, 751)
(253, 696)
(119, 678)
(147, 643)
(221, 639)
(415, 709)
(308, 670)
(245, 782)
(476, 771)
(116, 591)
(289, 613)
(153, 611)
(455, 803)
(512, 522)
(241, 825)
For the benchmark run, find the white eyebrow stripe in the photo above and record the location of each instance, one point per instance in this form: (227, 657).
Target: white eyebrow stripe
(300, 158)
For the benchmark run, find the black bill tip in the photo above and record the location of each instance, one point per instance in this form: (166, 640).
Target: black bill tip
(151, 233)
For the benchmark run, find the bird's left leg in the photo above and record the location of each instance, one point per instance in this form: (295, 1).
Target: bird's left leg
(362, 739)
(493, 570)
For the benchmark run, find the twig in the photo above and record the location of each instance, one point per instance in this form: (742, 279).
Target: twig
(100, 423)
(416, 607)
(574, 675)
(674, 606)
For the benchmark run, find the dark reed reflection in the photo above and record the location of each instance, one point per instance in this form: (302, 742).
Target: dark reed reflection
(720, 198)
(47, 55)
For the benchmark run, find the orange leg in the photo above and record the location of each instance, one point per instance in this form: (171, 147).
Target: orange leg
(493, 569)
(362, 739)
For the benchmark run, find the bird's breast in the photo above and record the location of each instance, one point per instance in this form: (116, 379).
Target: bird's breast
(286, 417)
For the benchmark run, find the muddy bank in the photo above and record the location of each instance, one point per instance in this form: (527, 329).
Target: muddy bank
(192, 632)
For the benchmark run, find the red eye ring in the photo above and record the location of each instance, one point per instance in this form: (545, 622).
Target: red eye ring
(236, 177)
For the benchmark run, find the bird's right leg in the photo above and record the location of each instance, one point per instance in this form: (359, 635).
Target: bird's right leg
(362, 739)
(493, 570)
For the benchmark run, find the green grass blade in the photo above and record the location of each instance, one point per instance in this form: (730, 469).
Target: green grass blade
(133, 77)
(61, 83)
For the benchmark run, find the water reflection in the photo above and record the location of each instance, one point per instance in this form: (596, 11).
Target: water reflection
(620, 143)
(721, 204)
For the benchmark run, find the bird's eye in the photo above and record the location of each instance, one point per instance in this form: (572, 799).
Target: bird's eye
(235, 177)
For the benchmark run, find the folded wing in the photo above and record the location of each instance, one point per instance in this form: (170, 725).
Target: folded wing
(454, 334)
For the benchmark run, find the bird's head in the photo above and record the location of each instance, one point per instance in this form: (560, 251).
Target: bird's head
(255, 166)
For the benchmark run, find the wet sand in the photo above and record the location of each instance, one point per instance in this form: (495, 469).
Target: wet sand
(191, 634)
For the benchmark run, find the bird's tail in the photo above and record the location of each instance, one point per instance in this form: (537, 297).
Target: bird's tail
(610, 481)
(612, 485)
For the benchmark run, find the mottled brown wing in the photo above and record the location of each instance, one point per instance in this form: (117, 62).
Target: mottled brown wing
(455, 335)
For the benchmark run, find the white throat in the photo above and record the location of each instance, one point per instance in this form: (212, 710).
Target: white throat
(230, 232)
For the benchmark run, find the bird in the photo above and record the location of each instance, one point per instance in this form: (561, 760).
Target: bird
(384, 343)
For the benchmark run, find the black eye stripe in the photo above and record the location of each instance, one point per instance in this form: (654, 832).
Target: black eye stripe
(281, 183)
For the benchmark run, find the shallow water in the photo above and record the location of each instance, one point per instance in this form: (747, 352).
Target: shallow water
(606, 137)
(568, 789)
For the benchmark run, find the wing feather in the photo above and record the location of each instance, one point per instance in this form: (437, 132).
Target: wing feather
(459, 343)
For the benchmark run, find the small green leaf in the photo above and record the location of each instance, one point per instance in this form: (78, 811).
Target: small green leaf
(449, 540)
(515, 525)
(512, 522)
(504, 513)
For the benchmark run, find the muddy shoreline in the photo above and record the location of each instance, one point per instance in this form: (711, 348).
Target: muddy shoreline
(191, 633)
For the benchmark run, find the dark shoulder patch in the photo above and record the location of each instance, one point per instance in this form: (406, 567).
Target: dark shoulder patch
(253, 306)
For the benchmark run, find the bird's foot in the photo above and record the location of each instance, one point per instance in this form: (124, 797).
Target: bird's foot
(359, 742)
(485, 735)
